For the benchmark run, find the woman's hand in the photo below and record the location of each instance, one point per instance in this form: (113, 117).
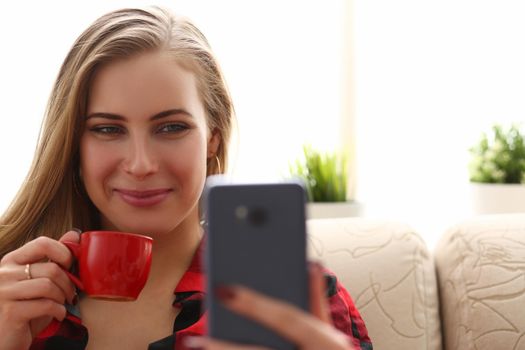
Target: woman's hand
(308, 331)
(33, 289)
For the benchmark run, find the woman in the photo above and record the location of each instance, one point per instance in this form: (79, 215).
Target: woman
(138, 117)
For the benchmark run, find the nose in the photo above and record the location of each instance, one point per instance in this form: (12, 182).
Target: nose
(140, 161)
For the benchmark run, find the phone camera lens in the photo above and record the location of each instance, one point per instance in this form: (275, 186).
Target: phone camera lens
(241, 212)
(257, 216)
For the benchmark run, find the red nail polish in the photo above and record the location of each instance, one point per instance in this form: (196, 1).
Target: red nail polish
(224, 293)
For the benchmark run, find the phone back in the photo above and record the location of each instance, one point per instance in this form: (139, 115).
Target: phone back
(256, 238)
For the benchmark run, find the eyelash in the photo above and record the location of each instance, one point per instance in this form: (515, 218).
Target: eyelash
(179, 127)
(105, 130)
(113, 130)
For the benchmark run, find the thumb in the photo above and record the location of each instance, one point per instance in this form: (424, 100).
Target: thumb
(70, 236)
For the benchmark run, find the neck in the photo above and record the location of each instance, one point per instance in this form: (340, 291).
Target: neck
(172, 254)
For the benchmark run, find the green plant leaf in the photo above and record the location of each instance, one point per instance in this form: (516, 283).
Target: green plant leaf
(499, 156)
(324, 174)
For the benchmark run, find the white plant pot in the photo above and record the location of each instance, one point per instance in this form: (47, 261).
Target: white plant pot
(497, 198)
(321, 210)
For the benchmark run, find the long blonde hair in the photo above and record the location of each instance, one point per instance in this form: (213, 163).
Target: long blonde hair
(52, 199)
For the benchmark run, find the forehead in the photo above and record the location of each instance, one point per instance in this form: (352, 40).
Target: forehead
(142, 84)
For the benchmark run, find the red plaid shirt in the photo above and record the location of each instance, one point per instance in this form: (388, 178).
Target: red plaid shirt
(70, 334)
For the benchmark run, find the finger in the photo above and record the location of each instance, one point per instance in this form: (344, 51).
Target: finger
(40, 288)
(70, 236)
(213, 344)
(21, 312)
(282, 317)
(11, 273)
(51, 271)
(39, 249)
(318, 301)
(285, 319)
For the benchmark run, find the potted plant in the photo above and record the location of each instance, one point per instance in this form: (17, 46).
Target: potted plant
(325, 176)
(497, 171)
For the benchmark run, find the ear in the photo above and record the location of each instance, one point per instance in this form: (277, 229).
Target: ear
(213, 142)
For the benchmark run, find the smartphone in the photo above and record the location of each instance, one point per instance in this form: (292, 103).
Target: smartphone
(256, 237)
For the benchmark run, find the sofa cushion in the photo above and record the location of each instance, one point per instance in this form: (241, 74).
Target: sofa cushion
(387, 269)
(481, 271)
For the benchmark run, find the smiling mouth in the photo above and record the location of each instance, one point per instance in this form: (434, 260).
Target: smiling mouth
(143, 198)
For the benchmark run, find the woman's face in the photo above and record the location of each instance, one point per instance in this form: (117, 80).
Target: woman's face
(144, 148)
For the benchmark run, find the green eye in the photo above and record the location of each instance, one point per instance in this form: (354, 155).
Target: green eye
(173, 128)
(107, 130)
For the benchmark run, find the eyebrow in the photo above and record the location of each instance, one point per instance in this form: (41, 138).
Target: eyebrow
(157, 116)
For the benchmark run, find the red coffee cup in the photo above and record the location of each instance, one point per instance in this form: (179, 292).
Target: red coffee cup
(111, 265)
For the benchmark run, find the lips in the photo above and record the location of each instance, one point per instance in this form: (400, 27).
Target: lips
(143, 198)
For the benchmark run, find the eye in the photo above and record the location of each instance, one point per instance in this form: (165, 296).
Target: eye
(172, 128)
(107, 130)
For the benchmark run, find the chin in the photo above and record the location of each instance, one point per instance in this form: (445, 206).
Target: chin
(142, 226)
(151, 224)
(148, 230)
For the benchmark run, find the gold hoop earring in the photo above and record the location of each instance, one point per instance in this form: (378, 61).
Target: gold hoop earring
(218, 164)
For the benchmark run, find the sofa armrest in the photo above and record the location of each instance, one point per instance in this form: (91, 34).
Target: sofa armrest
(389, 273)
(481, 273)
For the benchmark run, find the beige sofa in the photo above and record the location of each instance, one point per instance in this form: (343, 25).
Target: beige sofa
(467, 294)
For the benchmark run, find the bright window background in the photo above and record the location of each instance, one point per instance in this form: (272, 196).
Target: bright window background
(429, 76)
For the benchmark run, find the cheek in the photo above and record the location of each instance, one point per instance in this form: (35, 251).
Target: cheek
(188, 159)
(96, 162)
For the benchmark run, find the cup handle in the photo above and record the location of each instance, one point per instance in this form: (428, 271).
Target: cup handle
(75, 250)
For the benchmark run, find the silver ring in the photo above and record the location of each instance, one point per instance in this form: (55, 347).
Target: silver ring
(28, 271)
